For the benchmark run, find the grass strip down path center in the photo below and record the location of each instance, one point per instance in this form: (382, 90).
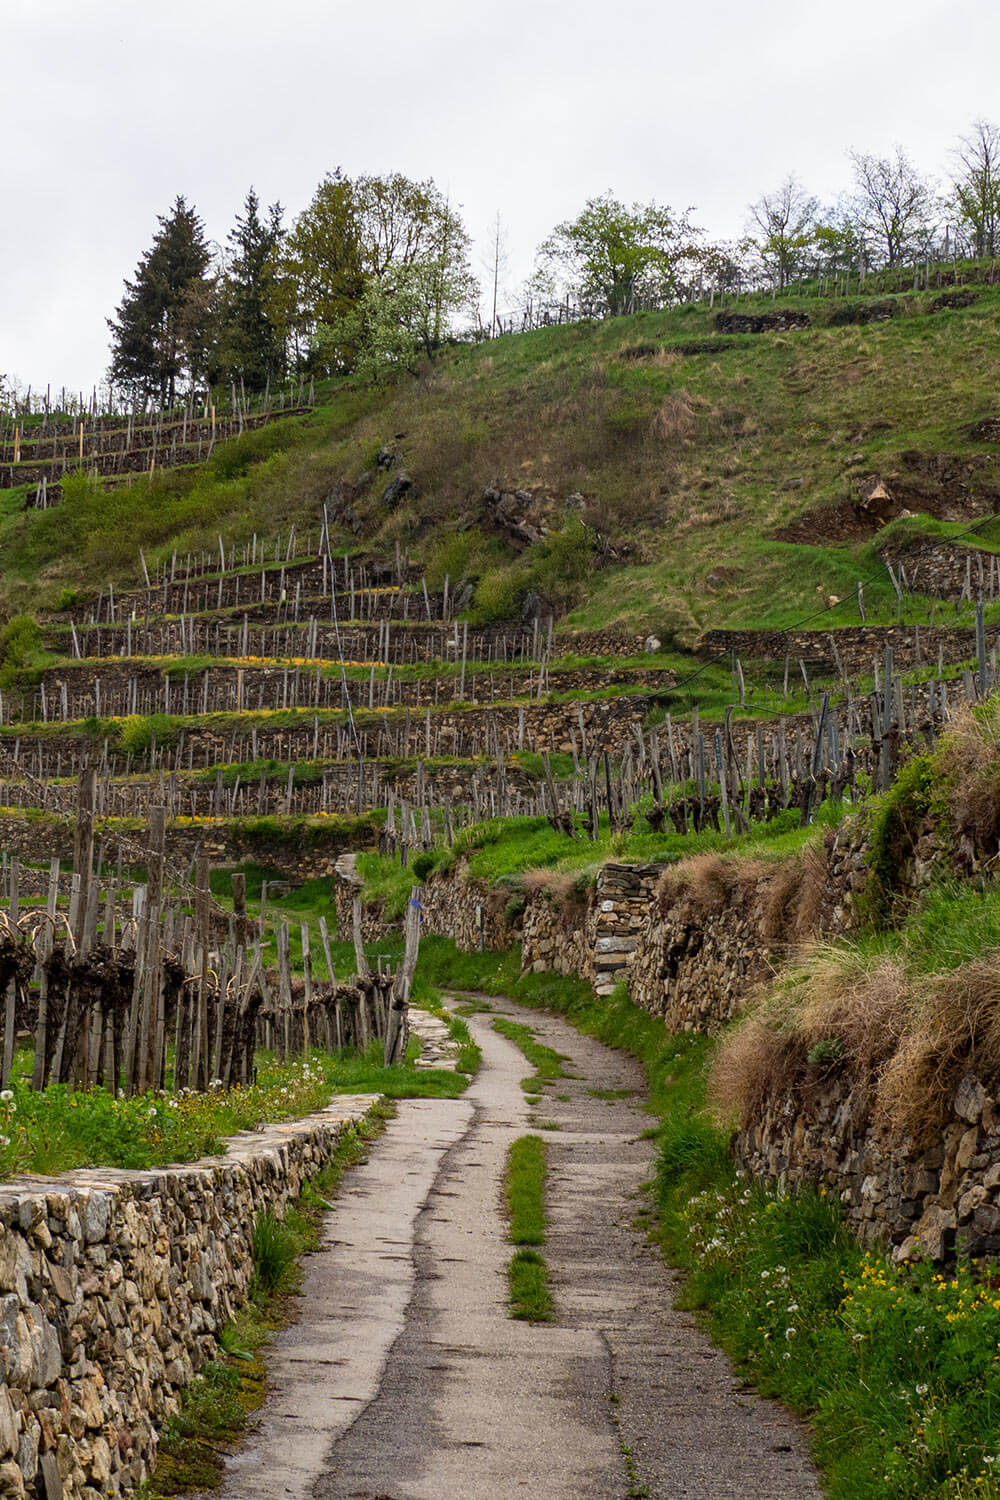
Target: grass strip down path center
(524, 1190)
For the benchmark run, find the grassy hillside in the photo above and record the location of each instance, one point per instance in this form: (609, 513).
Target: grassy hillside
(667, 458)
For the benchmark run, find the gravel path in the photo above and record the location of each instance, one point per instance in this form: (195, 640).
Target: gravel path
(407, 1380)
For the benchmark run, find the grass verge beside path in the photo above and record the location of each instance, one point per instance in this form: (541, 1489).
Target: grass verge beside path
(524, 1186)
(897, 1368)
(216, 1407)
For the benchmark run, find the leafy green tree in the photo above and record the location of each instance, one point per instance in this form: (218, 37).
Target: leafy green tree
(892, 206)
(976, 186)
(367, 250)
(379, 330)
(252, 343)
(839, 246)
(405, 223)
(724, 266)
(414, 243)
(159, 336)
(786, 220)
(318, 272)
(399, 316)
(613, 259)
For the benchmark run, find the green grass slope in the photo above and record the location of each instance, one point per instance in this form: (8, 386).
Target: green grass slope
(667, 458)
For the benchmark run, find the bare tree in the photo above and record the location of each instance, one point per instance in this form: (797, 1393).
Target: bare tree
(786, 219)
(496, 265)
(977, 185)
(893, 207)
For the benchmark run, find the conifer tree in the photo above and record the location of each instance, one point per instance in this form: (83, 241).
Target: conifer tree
(253, 348)
(159, 333)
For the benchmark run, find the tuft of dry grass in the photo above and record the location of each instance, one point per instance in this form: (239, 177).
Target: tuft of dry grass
(905, 1041)
(791, 891)
(970, 764)
(793, 900)
(674, 421)
(702, 886)
(955, 1030)
(781, 902)
(840, 996)
(562, 888)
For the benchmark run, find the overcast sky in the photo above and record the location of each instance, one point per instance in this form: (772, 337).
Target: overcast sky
(526, 107)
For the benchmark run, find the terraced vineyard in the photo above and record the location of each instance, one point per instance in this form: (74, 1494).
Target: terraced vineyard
(40, 450)
(292, 703)
(292, 691)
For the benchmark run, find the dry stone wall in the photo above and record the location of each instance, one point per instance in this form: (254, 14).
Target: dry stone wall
(719, 928)
(78, 690)
(693, 941)
(467, 910)
(558, 935)
(920, 1199)
(622, 919)
(114, 1288)
(945, 569)
(858, 646)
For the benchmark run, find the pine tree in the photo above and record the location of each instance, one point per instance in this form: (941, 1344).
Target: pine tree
(253, 349)
(161, 333)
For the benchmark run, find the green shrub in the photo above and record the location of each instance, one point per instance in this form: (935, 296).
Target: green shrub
(423, 865)
(137, 732)
(894, 826)
(459, 555)
(691, 1150)
(20, 639)
(515, 908)
(830, 1050)
(500, 591)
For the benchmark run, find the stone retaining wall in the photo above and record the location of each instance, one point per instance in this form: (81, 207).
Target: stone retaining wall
(467, 911)
(693, 941)
(114, 1288)
(595, 724)
(78, 690)
(931, 1199)
(623, 914)
(857, 645)
(558, 936)
(374, 923)
(944, 568)
(721, 927)
(691, 957)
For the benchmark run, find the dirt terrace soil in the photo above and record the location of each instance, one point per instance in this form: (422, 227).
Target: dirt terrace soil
(406, 1379)
(936, 484)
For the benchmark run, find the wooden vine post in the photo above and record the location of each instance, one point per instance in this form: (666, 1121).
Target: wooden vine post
(202, 902)
(396, 1030)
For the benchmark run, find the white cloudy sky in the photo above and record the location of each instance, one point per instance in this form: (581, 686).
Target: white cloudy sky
(526, 107)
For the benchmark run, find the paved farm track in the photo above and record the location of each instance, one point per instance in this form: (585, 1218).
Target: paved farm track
(406, 1380)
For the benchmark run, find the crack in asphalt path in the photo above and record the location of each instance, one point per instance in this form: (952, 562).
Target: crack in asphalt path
(406, 1379)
